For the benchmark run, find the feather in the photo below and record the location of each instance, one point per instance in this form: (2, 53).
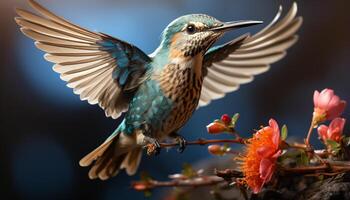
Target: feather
(62, 21)
(85, 59)
(227, 66)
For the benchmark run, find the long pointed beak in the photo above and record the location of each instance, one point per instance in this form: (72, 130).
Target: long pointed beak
(226, 26)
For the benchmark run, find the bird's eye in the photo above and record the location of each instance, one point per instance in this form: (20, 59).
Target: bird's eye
(190, 29)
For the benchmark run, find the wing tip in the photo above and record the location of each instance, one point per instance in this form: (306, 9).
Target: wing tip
(26, 31)
(202, 103)
(113, 115)
(39, 45)
(18, 20)
(34, 4)
(300, 20)
(18, 11)
(295, 39)
(278, 15)
(295, 5)
(284, 53)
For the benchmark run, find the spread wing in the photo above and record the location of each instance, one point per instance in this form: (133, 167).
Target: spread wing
(227, 66)
(101, 69)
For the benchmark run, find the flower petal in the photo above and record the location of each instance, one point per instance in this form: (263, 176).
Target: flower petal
(276, 132)
(257, 189)
(334, 101)
(322, 132)
(337, 123)
(277, 154)
(324, 98)
(335, 130)
(265, 152)
(337, 110)
(316, 98)
(266, 169)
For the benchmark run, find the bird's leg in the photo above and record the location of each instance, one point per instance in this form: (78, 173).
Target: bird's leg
(179, 139)
(148, 140)
(155, 149)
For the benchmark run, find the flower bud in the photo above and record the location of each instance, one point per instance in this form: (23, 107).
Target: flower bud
(216, 127)
(139, 186)
(216, 150)
(226, 119)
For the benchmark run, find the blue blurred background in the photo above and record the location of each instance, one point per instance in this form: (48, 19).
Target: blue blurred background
(46, 129)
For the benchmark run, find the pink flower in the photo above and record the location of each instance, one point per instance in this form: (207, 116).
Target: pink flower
(216, 127)
(327, 106)
(333, 132)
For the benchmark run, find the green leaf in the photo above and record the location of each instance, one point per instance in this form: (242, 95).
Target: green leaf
(321, 177)
(226, 148)
(188, 171)
(234, 119)
(333, 144)
(147, 193)
(346, 141)
(284, 132)
(303, 159)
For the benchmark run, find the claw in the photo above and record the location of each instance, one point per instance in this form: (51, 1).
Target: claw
(182, 143)
(157, 149)
(153, 146)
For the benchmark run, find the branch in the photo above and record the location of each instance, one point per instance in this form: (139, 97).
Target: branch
(320, 152)
(202, 141)
(296, 145)
(228, 174)
(192, 182)
(220, 176)
(328, 167)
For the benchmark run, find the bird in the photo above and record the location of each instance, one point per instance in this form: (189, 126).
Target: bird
(156, 93)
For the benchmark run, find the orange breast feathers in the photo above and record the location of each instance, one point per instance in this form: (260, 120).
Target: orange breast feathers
(175, 48)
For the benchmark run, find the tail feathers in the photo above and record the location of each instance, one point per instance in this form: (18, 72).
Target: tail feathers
(132, 161)
(106, 166)
(92, 156)
(110, 157)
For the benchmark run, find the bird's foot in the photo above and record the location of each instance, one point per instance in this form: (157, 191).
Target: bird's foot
(181, 141)
(153, 146)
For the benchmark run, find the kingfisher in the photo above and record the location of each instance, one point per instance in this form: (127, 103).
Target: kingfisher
(159, 92)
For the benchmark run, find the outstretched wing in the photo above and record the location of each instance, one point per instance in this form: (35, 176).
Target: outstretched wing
(101, 69)
(227, 66)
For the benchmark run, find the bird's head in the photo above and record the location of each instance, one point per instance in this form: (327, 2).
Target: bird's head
(192, 34)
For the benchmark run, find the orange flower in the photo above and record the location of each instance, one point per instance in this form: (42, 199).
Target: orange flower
(260, 156)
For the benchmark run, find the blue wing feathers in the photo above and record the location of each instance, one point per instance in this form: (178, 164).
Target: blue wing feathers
(128, 59)
(148, 105)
